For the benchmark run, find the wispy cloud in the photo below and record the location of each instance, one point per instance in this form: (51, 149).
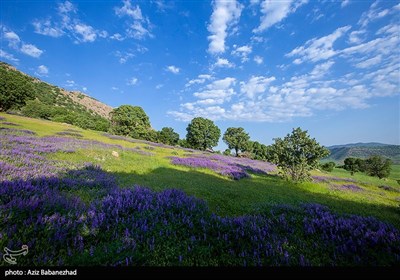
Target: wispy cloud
(255, 85)
(242, 52)
(258, 59)
(275, 11)
(68, 23)
(8, 56)
(201, 79)
(31, 50)
(345, 3)
(225, 15)
(222, 62)
(318, 49)
(140, 26)
(42, 71)
(372, 14)
(132, 81)
(47, 28)
(173, 69)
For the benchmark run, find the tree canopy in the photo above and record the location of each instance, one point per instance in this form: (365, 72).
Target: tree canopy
(168, 136)
(236, 138)
(202, 134)
(296, 154)
(378, 166)
(15, 90)
(131, 121)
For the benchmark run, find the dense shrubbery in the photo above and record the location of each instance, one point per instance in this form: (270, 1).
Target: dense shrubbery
(328, 166)
(15, 89)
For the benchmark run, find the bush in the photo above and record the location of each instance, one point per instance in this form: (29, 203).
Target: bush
(328, 166)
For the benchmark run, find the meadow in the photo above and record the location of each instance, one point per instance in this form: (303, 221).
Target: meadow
(81, 197)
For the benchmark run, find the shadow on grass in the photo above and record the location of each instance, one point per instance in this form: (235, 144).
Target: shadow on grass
(249, 195)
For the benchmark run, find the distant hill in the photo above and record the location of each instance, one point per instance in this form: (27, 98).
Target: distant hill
(363, 150)
(55, 96)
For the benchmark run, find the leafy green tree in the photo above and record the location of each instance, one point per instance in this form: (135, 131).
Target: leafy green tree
(202, 134)
(227, 152)
(183, 143)
(150, 135)
(378, 166)
(258, 150)
(15, 90)
(131, 121)
(328, 166)
(296, 154)
(236, 138)
(353, 165)
(168, 136)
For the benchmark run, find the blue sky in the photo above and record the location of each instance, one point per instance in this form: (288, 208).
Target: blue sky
(330, 67)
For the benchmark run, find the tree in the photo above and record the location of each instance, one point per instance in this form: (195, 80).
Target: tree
(378, 166)
(236, 138)
(202, 134)
(227, 152)
(328, 166)
(15, 90)
(258, 150)
(296, 154)
(131, 121)
(353, 165)
(168, 136)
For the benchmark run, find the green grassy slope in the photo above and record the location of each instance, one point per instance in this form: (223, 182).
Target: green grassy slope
(225, 196)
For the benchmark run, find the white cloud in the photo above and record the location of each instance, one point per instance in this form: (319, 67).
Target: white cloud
(12, 38)
(132, 81)
(114, 88)
(225, 15)
(117, 37)
(369, 62)
(219, 89)
(66, 7)
(201, 79)
(70, 83)
(68, 23)
(159, 86)
(372, 14)
(123, 57)
(42, 70)
(8, 56)
(46, 28)
(344, 3)
(255, 85)
(128, 10)
(318, 49)
(173, 69)
(275, 11)
(355, 37)
(31, 50)
(140, 27)
(86, 32)
(258, 59)
(222, 62)
(242, 52)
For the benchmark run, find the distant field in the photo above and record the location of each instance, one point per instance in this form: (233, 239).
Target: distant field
(260, 193)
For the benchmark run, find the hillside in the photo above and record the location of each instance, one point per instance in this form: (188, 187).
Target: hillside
(81, 197)
(58, 97)
(363, 150)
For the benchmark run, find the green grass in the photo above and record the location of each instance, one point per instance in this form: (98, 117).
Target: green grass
(226, 196)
